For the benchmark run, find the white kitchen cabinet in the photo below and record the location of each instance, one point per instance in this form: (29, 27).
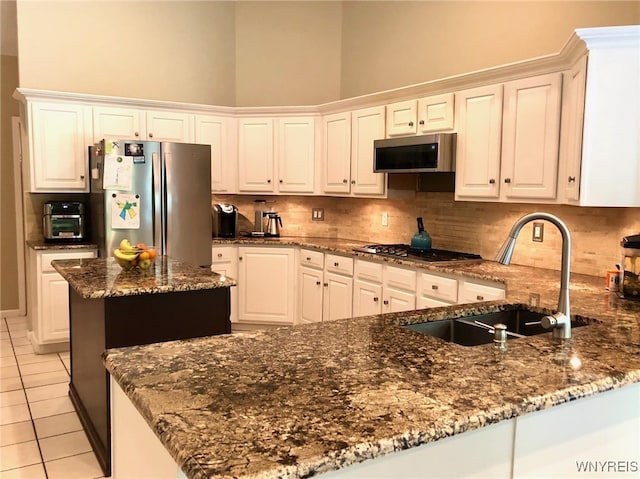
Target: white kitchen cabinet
(255, 155)
(48, 300)
(398, 289)
(367, 125)
(436, 290)
(140, 124)
(530, 138)
(296, 154)
(434, 113)
(119, 123)
(336, 152)
(55, 141)
(266, 285)
(382, 288)
(221, 133)
(573, 91)
(325, 288)
(366, 298)
(476, 291)
(479, 128)
(224, 261)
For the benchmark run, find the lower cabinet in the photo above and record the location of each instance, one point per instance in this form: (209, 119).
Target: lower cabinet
(224, 261)
(48, 300)
(325, 288)
(475, 291)
(266, 285)
(382, 288)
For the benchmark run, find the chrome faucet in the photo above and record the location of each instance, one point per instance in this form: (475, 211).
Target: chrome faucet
(561, 320)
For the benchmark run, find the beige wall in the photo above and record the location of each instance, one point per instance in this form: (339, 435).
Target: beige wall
(288, 53)
(8, 247)
(461, 226)
(178, 51)
(391, 44)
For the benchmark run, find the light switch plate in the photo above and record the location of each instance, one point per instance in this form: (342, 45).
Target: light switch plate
(538, 232)
(317, 214)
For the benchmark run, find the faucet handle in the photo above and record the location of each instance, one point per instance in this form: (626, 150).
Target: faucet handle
(500, 336)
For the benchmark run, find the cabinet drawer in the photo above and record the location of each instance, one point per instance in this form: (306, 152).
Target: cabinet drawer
(369, 271)
(471, 292)
(313, 259)
(339, 264)
(47, 258)
(400, 278)
(438, 287)
(222, 254)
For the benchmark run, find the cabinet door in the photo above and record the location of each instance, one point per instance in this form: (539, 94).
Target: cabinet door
(215, 131)
(224, 261)
(401, 118)
(310, 290)
(60, 134)
(338, 296)
(470, 292)
(118, 123)
(435, 113)
(266, 285)
(55, 308)
(423, 302)
(530, 137)
(255, 154)
(574, 82)
(296, 154)
(366, 125)
(366, 298)
(479, 126)
(396, 301)
(336, 152)
(170, 126)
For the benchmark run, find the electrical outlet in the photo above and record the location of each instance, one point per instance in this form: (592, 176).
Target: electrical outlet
(317, 214)
(538, 232)
(385, 219)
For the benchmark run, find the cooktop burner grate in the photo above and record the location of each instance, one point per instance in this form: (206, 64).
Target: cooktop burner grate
(405, 251)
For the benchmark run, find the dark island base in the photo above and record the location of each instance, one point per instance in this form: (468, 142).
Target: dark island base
(113, 322)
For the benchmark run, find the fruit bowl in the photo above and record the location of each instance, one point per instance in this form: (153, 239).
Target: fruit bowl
(140, 256)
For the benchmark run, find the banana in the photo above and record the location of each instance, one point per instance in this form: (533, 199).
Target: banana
(126, 246)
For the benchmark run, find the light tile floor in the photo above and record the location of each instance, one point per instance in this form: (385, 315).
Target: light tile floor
(40, 433)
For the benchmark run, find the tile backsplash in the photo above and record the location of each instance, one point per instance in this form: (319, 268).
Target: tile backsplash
(473, 227)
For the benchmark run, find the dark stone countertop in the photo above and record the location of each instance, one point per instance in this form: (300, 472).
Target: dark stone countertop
(313, 398)
(94, 278)
(42, 245)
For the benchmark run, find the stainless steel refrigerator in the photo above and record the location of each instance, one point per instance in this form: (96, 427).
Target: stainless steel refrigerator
(154, 193)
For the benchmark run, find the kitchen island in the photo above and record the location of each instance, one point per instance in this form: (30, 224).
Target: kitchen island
(110, 307)
(320, 397)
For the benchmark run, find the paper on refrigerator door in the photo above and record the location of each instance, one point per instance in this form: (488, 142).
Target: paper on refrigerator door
(125, 211)
(118, 172)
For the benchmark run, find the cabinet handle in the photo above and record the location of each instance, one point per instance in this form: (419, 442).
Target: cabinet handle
(326, 285)
(308, 258)
(480, 297)
(421, 122)
(318, 283)
(136, 134)
(219, 255)
(507, 180)
(280, 181)
(268, 181)
(375, 300)
(572, 179)
(385, 302)
(240, 258)
(336, 264)
(345, 181)
(150, 135)
(492, 181)
(82, 177)
(353, 182)
(410, 123)
(434, 286)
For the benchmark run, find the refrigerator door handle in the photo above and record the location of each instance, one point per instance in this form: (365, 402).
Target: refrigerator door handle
(159, 181)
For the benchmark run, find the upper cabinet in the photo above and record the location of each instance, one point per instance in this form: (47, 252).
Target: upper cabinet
(434, 113)
(276, 155)
(508, 137)
(138, 124)
(367, 125)
(55, 138)
(221, 133)
(336, 153)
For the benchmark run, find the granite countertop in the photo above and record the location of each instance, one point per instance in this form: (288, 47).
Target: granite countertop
(318, 397)
(42, 245)
(94, 278)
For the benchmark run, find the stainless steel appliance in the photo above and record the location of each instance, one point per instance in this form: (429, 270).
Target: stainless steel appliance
(274, 223)
(259, 211)
(630, 272)
(416, 154)
(153, 193)
(405, 251)
(64, 221)
(225, 220)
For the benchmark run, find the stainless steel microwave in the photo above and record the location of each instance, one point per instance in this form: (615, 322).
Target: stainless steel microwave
(416, 154)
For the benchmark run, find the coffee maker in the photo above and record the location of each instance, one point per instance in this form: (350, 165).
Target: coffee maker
(225, 219)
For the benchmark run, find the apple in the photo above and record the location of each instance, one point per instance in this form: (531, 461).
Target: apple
(145, 263)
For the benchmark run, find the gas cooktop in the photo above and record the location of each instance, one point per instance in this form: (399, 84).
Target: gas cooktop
(405, 251)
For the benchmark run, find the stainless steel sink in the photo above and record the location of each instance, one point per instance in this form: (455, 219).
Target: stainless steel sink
(467, 331)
